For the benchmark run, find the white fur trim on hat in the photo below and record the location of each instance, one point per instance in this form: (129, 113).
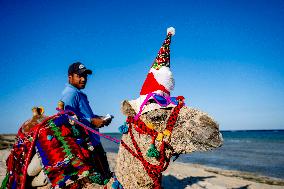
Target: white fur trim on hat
(164, 77)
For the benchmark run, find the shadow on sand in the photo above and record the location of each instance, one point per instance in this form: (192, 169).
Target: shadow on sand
(243, 187)
(176, 183)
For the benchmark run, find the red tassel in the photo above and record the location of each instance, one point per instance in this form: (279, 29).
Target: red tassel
(65, 131)
(153, 140)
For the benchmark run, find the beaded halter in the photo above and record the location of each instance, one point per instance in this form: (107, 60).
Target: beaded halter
(154, 171)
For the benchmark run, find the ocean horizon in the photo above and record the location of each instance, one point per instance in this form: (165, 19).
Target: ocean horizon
(237, 130)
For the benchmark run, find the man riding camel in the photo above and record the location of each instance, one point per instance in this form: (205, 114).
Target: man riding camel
(52, 149)
(75, 100)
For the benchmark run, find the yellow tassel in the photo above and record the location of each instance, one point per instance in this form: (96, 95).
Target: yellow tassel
(167, 132)
(160, 137)
(150, 126)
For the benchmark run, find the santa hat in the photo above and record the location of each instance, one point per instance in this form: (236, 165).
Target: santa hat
(160, 78)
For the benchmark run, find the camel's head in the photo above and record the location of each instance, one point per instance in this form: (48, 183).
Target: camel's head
(194, 130)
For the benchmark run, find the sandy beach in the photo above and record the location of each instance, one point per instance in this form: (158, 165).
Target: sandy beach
(185, 175)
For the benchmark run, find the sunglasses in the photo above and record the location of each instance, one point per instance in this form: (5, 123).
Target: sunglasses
(159, 99)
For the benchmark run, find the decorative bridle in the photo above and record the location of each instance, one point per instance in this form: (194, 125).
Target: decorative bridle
(154, 171)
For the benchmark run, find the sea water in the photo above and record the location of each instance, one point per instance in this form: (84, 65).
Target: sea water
(260, 152)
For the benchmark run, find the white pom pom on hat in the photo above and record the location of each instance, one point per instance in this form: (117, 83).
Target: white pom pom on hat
(171, 30)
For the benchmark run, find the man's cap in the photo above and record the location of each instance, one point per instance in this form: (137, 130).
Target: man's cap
(78, 68)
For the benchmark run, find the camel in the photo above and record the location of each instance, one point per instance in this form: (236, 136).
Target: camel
(193, 131)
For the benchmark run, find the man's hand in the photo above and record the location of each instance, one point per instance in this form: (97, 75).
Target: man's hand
(107, 122)
(108, 118)
(98, 122)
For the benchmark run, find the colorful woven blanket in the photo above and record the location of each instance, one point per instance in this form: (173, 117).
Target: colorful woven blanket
(64, 149)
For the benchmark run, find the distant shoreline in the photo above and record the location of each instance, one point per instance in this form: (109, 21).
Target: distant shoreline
(252, 130)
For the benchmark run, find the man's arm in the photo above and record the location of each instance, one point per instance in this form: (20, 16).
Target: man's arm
(78, 103)
(71, 102)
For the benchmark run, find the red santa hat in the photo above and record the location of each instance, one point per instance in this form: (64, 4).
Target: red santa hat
(160, 78)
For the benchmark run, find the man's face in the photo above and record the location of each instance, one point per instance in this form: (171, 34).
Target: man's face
(78, 81)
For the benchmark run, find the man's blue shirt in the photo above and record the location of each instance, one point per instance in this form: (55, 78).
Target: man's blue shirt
(76, 101)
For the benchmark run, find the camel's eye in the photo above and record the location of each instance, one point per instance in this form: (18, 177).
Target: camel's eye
(151, 101)
(166, 108)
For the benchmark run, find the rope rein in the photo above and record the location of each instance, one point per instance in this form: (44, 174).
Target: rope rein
(154, 171)
(65, 112)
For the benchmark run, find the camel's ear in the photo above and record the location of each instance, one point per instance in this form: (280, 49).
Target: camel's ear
(126, 109)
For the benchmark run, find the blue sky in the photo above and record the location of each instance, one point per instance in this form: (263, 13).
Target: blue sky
(227, 57)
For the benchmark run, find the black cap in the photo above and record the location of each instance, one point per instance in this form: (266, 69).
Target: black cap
(78, 68)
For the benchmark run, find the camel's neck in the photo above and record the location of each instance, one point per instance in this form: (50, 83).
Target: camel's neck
(133, 165)
(132, 159)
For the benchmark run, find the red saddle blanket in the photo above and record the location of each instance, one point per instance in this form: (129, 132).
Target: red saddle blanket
(65, 151)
